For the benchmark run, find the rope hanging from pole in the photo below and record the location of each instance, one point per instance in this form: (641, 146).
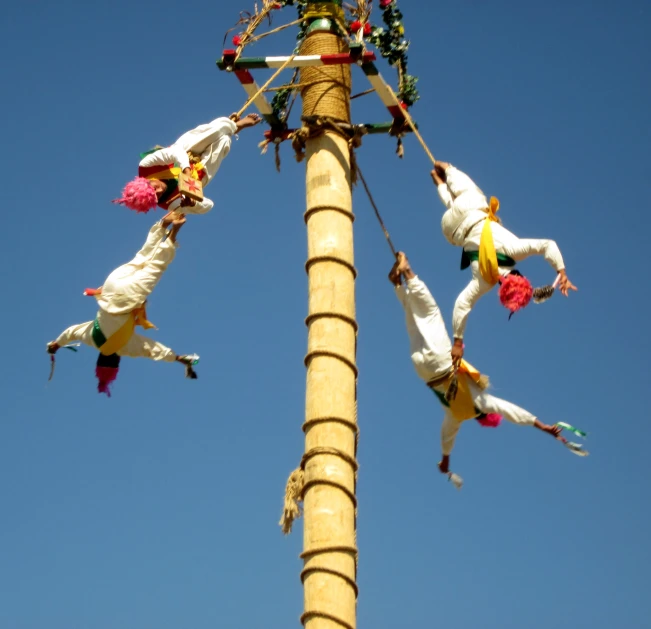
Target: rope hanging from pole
(377, 212)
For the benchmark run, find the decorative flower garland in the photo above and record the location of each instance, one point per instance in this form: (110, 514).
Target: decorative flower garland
(390, 42)
(393, 46)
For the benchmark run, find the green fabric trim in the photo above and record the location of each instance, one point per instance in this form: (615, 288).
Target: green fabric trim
(473, 256)
(98, 336)
(150, 151)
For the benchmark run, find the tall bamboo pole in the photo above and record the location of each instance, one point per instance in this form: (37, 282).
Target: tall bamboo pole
(330, 550)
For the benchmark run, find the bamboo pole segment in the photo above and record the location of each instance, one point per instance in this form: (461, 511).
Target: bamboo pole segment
(330, 549)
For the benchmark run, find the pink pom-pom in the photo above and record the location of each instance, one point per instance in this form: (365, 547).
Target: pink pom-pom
(515, 292)
(105, 375)
(492, 420)
(138, 195)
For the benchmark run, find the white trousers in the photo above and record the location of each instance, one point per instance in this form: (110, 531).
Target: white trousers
(430, 354)
(211, 141)
(125, 289)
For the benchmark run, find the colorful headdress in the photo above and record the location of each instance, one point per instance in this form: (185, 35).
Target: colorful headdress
(515, 291)
(138, 195)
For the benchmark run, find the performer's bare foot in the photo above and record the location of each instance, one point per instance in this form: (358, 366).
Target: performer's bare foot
(248, 121)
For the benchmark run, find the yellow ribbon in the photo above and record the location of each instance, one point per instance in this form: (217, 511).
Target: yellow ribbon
(488, 266)
(122, 336)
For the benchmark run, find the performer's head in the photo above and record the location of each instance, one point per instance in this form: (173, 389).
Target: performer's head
(142, 195)
(515, 291)
(106, 371)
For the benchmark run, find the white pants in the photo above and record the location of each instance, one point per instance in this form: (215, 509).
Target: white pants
(430, 354)
(125, 289)
(212, 142)
(429, 342)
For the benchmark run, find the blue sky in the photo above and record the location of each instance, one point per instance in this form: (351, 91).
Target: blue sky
(159, 507)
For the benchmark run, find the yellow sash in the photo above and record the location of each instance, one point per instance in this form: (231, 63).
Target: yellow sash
(488, 266)
(121, 336)
(173, 173)
(463, 407)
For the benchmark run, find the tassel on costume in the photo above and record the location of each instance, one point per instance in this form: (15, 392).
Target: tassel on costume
(542, 294)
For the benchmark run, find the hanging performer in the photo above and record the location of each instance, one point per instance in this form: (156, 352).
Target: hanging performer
(430, 354)
(197, 153)
(121, 302)
(489, 249)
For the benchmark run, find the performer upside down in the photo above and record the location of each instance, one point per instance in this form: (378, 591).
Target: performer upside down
(121, 302)
(430, 354)
(198, 153)
(489, 249)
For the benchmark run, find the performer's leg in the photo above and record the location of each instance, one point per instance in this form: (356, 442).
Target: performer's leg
(458, 182)
(144, 279)
(154, 238)
(199, 139)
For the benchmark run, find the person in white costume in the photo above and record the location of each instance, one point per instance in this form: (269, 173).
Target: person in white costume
(197, 153)
(121, 302)
(463, 223)
(430, 354)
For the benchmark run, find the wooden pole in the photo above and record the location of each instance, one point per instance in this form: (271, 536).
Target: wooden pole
(330, 549)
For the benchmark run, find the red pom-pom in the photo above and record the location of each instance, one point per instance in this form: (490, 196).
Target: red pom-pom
(515, 292)
(385, 3)
(237, 40)
(367, 29)
(492, 420)
(404, 105)
(355, 26)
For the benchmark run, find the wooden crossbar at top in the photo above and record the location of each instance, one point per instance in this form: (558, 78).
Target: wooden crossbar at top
(228, 62)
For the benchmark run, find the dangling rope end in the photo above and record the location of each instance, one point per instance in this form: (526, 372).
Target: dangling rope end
(293, 499)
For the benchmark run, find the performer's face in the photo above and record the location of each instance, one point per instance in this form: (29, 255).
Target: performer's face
(158, 186)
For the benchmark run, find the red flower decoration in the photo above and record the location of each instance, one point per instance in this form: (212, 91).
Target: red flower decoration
(356, 25)
(277, 6)
(237, 40)
(404, 105)
(385, 3)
